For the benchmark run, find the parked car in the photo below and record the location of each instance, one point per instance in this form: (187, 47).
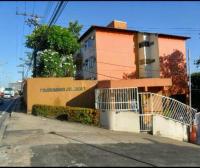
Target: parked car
(8, 93)
(2, 94)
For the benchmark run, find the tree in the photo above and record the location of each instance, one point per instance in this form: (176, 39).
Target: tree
(56, 42)
(197, 63)
(52, 66)
(32, 22)
(195, 80)
(75, 28)
(55, 38)
(195, 86)
(174, 66)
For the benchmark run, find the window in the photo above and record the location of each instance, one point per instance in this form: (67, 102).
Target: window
(92, 62)
(145, 44)
(89, 42)
(89, 63)
(148, 61)
(86, 64)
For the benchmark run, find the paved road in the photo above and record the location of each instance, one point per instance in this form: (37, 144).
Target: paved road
(5, 111)
(37, 141)
(5, 104)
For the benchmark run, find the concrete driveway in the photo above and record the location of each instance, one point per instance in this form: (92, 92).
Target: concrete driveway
(37, 141)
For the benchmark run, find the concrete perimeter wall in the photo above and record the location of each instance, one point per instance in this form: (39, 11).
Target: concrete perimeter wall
(120, 121)
(165, 127)
(59, 92)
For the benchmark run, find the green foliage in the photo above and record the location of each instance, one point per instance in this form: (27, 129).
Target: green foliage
(75, 28)
(195, 80)
(59, 44)
(197, 63)
(55, 38)
(51, 65)
(78, 114)
(46, 111)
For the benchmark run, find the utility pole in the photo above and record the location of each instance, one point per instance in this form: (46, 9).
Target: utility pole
(32, 21)
(189, 75)
(190, 98)
(30, 15)
(34, 63)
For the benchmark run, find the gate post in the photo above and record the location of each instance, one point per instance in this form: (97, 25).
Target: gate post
(151, 103)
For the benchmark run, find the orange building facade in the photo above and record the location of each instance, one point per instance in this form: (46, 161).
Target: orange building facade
(115, 53)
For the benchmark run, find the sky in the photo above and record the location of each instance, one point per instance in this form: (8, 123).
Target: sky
(179, 18)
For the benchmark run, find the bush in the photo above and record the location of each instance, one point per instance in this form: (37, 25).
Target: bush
(78, 114)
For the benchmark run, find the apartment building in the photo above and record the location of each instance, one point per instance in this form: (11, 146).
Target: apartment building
(115, 52)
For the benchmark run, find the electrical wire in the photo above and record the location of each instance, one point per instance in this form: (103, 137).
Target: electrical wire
(113, 77)
(61, 10)
(33, 11)
(175, 31)
(16, 36)
(23, 30)
(58, 3)
(57, 12)
(101, 74)
(47, 10)
(158, 28)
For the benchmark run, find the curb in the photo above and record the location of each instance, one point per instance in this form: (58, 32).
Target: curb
(3, 119)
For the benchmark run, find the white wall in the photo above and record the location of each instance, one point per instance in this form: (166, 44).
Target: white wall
(120, 121)
(169, 128)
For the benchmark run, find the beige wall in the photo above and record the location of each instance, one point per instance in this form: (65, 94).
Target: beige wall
(120, 121)
(64, 91)
(169, 128)
(153, 84)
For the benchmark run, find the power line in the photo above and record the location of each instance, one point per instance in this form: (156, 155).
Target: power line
(47, 10)
(173, 31)
(63, 7)
(173, 28)
(112, 64)
(101, 74)
(16, 37)
(110, 75)
(54, 12)
(33, 11)
(22, 50)
(57, 12)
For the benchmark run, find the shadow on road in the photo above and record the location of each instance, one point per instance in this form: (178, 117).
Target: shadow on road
(150, 154)
(7, 105)
(20, 106)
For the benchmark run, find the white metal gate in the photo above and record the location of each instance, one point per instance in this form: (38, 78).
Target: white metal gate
(145, 103)
(152, 103)
(117, 99)
(146, 122)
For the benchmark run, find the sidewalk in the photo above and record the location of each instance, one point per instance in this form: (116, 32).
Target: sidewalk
(38, 141)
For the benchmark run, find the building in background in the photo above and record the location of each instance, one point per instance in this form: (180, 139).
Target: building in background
(16, 86)
(116, 53)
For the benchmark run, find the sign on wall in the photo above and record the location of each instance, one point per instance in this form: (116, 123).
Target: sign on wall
(62, 89)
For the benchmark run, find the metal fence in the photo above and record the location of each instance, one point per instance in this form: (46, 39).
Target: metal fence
(166, 106)
(146, 121)
(118, 99)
